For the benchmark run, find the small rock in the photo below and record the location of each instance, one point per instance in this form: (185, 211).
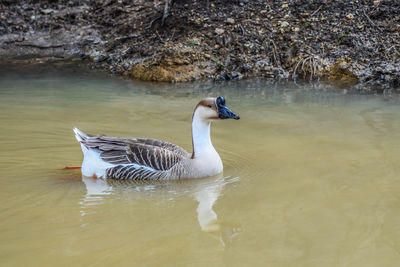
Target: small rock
(219, 31)
(297, 29)
(350, 16)
(220, 78)
(178, 61)
(207, 56)
(100, 58)
(236, 76)
(230, 21)
(284, 6)
(343, 65)
(284, 24)
(47, 11)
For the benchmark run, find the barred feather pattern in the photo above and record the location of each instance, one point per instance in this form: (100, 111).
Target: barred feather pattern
(138, 158)
(109, 143)
(129, 172)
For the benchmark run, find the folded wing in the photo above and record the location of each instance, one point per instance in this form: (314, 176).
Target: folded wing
(150, 153)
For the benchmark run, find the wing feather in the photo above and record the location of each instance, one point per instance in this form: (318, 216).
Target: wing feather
(130, 172)
(155, 154)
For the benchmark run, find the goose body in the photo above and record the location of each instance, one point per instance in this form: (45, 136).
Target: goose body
(151, 159)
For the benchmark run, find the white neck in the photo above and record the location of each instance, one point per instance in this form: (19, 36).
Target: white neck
(201, 137)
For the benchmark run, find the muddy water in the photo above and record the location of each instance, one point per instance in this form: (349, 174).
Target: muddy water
(311, 177)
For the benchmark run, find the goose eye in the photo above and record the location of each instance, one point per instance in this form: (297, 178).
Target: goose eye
(209, 106)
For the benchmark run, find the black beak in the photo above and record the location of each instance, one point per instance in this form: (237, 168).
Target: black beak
(223, 111)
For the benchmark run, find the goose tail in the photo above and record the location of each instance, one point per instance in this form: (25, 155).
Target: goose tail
(92, 165)
(79, 135)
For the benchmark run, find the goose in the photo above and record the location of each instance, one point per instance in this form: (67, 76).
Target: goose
(152, 159)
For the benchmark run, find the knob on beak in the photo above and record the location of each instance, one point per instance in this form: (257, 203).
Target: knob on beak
(223, 111)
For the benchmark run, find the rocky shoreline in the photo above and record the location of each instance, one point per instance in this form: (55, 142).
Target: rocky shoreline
(351, 44)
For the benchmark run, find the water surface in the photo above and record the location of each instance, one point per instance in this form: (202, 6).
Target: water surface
(311, 176)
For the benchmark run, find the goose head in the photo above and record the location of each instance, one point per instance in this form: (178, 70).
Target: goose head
(211, 109)
(206, 111)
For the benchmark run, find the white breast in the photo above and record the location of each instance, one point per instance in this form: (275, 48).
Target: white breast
(206, 161)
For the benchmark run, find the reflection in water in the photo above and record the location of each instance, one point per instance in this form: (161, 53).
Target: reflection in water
(206, 191)
(205, 213)
(96, 189)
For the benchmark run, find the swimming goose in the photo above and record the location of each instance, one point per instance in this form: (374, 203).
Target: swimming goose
(151, 159)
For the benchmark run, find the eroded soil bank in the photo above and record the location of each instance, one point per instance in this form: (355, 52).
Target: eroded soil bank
(346, 43)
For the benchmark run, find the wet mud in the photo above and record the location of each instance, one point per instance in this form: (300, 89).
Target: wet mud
(352, 44)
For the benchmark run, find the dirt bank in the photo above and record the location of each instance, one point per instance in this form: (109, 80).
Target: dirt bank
(346, 43)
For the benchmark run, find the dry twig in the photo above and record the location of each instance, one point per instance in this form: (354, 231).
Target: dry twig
(316, 11)
(370, 21)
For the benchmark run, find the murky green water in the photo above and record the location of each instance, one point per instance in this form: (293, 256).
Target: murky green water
(311, 177)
